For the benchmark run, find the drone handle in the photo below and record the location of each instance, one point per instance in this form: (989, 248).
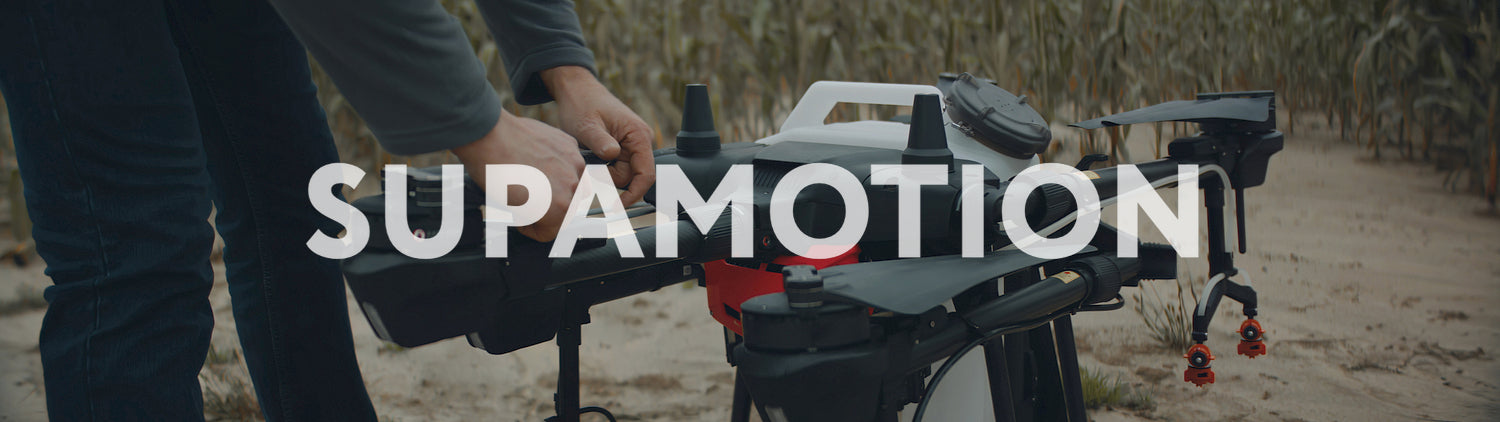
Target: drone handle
(820, 98)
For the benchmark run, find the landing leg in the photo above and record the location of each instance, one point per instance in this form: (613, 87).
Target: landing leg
(1067, 357)
(739, 411)
(566, 402)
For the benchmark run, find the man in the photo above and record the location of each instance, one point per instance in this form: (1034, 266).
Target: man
(131, 117)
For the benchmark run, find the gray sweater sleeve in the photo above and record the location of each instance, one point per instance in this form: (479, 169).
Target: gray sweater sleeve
(408, 69)
(532, 36)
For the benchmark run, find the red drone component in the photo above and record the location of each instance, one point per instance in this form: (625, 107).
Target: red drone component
(1199, 372)
(730, 285)
(1251, 339)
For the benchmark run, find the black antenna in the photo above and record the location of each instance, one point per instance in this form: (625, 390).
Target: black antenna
(697, 137)
(927, 143)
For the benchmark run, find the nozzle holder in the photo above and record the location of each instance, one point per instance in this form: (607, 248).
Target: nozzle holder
(1199, 371)
(1252, 339)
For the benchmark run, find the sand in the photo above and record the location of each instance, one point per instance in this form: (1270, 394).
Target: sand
(1377, 290)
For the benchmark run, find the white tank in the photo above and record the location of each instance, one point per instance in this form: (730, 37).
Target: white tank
(964, 394)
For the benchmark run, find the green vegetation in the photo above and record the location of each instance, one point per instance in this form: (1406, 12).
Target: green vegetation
(388, 347)
(1109, 392)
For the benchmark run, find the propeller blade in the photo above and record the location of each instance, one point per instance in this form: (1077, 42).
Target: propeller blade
(1199, 111)
(912, 286)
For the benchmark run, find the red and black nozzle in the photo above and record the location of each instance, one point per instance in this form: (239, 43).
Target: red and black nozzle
(1199, 371)
(1252, 339)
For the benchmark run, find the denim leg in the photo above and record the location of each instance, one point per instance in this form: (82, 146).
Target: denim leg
(265, 135)
(116, 185)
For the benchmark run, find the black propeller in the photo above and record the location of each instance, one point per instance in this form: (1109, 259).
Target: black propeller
(912, 286)
(1223, 109)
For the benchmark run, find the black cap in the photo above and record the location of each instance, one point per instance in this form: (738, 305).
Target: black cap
(997, 118)
(697, 135)
(927, 142)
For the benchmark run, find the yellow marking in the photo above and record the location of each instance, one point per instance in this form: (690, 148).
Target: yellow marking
(1066, 277)
(1091, 175)
(642, 221)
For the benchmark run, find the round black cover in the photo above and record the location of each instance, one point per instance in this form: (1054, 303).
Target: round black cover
(999, 119)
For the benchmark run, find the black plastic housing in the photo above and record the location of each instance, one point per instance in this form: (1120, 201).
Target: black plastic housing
(412, 302)
(997, 118)
(771, 324)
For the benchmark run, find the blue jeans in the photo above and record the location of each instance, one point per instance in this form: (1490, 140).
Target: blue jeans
(131, 118)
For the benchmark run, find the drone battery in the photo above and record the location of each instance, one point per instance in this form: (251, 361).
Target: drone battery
(730, 285)
(413, 302)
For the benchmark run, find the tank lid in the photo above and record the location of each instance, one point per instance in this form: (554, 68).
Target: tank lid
(997, 118)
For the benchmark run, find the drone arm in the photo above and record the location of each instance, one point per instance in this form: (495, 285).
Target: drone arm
(605, 259)
(1085, 281)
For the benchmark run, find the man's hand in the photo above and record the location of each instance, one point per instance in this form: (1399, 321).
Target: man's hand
(519, 140)
(606, 126)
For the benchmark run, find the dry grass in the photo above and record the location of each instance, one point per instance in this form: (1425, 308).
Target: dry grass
(1420, 78)
(227, 397)
(1168, 315)
(226, 394)
(1414, 76)
(225, 356)
(28, 298)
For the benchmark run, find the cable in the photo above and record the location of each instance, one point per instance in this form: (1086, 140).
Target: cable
(1205, 169)
(1215, 168)
(1244, 275)
(587, 410)
(952, 360)
(1115, 304)
(1208, 287)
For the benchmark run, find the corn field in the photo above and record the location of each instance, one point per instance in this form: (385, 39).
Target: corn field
(1412, 80)
(1405, 79)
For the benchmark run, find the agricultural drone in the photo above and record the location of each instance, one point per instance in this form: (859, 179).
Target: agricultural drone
(861, 334)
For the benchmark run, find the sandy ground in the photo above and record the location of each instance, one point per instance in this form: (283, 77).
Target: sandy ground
(1376, 288)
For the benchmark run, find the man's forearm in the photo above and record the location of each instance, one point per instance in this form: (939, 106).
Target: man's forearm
(533, 36)
(406, 66)
(564, 82)
(409, 70)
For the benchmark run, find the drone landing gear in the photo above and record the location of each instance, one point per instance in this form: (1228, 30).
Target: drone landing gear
(566, 400)
(739, 410)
